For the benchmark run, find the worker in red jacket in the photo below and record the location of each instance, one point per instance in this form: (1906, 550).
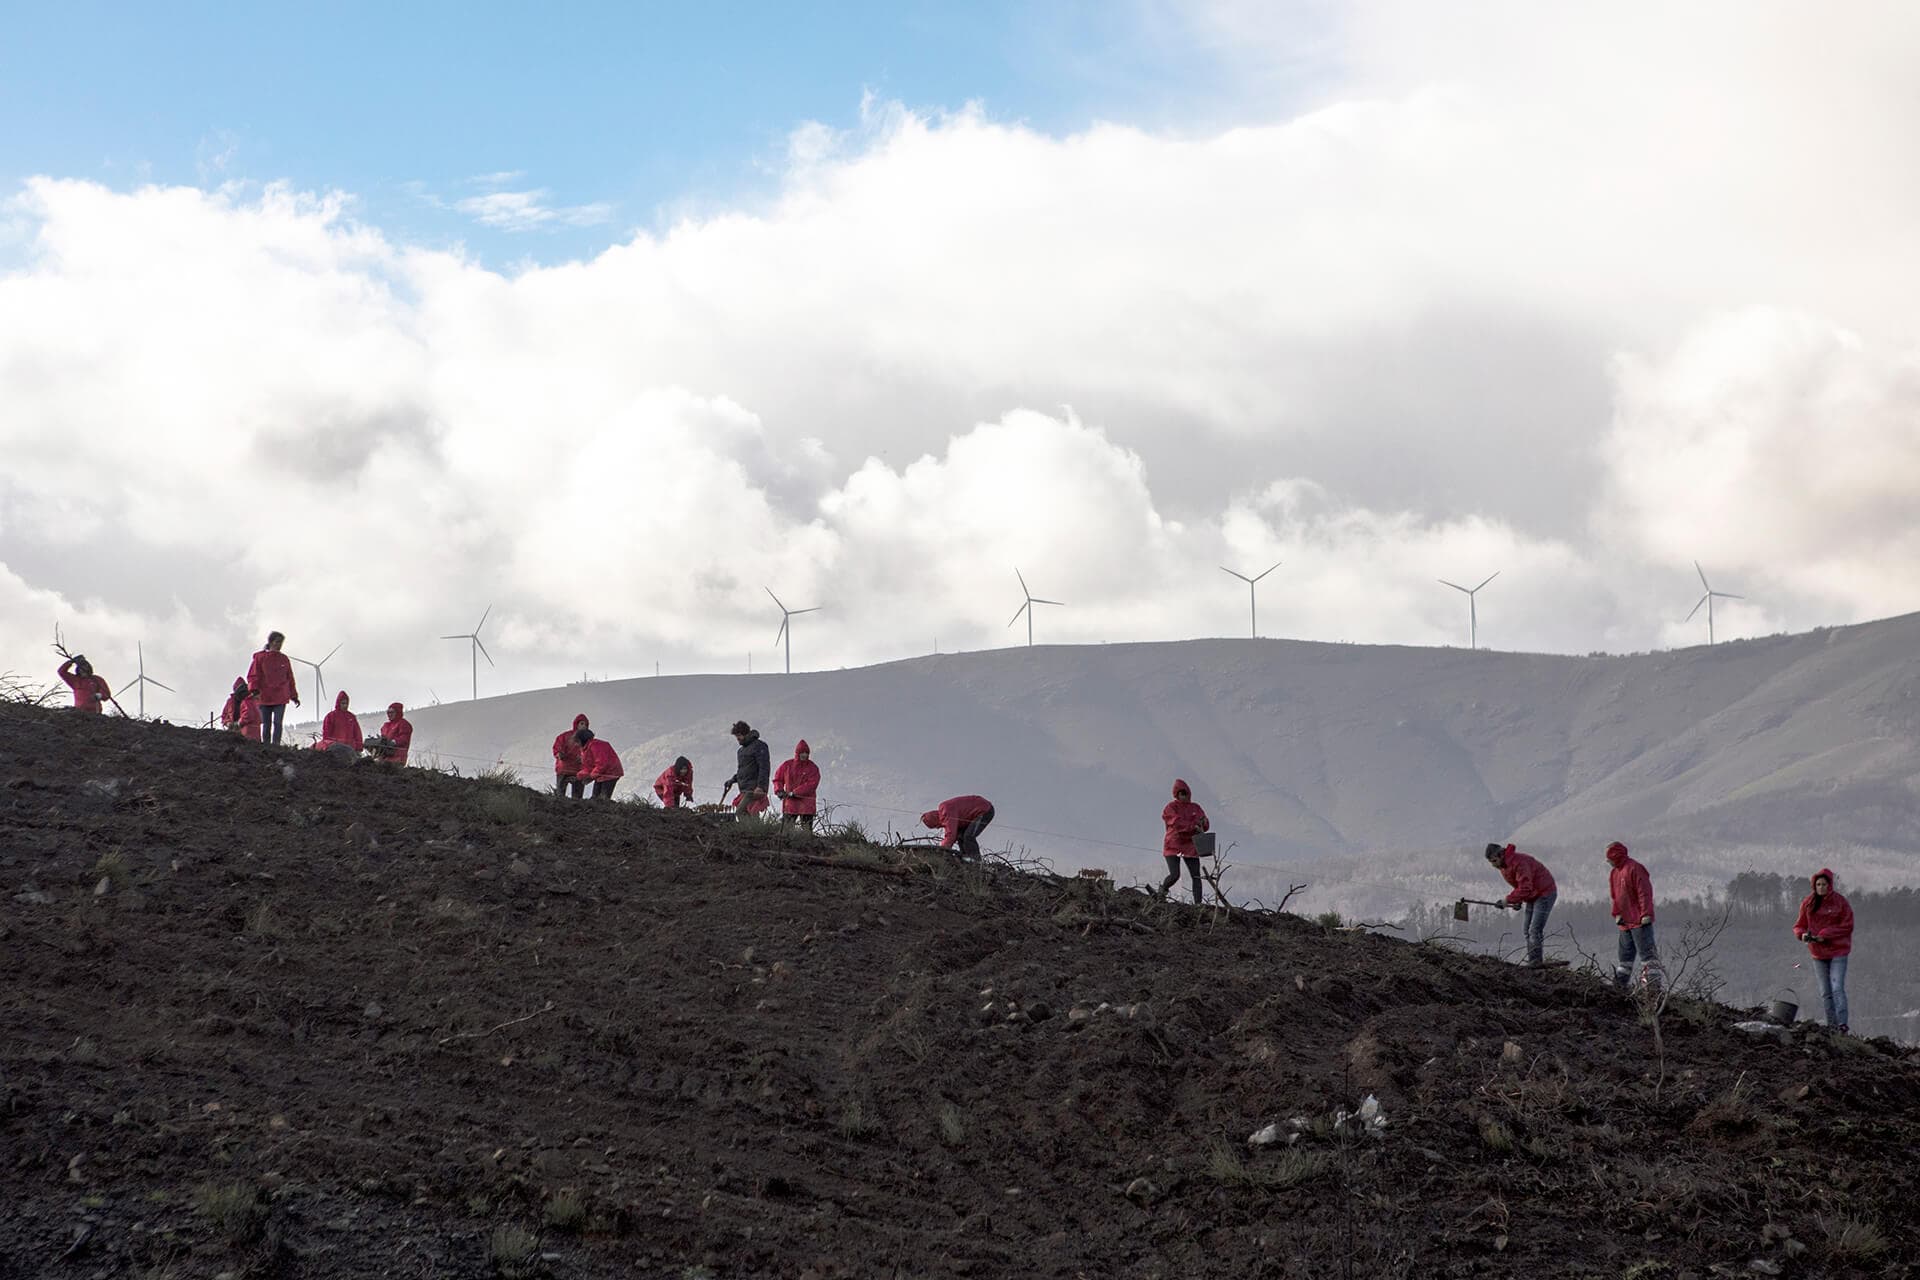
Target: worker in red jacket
(797, 783)
(91, 692)
(1182, 818)
(270, 678)
(962, 818)
(566, 761)
(599, 764)
(1632, 890)
(397, 733)
(341, 729)
(675, 783)
(241, 715)
(1534, 894)
(1825, 924)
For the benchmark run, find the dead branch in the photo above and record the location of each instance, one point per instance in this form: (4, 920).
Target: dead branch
(510, 1022)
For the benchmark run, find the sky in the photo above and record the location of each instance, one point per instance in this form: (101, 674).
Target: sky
(617, 320)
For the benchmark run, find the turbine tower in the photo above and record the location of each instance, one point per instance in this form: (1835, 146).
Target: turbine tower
(319, 679)
(143, 680)
(1708, 600)
(1027, 607)
(1473, 613)
(479, 650)
(1253, 618)
(786, 630)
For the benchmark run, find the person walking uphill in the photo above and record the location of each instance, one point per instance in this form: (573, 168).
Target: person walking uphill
(675, 783)
(962, 818)
(599, 764)
(1182, 818)
(341, 729)
(1632, 891)
(1825, 924)
(1533, 895)
(91, 692)
(752, 762)
(241, 714)
(566, 761)
(270, 677)
(797, 783)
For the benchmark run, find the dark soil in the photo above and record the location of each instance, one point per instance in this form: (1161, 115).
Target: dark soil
(333, 1020)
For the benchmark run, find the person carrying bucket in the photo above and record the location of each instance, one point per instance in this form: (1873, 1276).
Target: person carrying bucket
(1825, 924)
(1182, 819)
(1632, 892)
(1534, 893)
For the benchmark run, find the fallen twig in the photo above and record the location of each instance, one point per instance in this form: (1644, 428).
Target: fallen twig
(476, 1035)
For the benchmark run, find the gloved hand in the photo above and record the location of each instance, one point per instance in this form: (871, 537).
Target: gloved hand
(1645, 921)
(1812, 936)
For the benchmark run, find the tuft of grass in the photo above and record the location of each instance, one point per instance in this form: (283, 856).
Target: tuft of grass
(1855, 1239)
(514, 1253)
(262, 922)
(1290, 1168)
(1495, 1135)
(1651, 1269)
(233, 1209)
(854, 1120)
(566, 1211)
(501, 773)
(114, 867)
(953, 1126)
(1330, 920)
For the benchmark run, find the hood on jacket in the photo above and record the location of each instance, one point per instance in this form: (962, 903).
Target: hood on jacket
(931, 818)
(340, 701)
(580, 721)
(751, 735)
(1616, 853)
(1833, 884)
(395, 711)
(1180, 786)
(801, 748)
(240, 685)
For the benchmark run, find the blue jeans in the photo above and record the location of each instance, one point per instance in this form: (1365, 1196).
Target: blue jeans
(1833, 988)
(1533, 923)
(270, 717)
(1637, 940)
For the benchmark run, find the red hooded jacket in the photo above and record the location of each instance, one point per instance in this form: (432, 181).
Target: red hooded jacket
(271, 678)
(566, 752)
(954, 814)
(90, 693)
(340, 726)
(1182, 818)
(1826, 927)
(246, 715)
(800, 779)
(1529, 879)
(1632, 888)
(599, 762)
(671, 787)
(754, 804)
(399, 731)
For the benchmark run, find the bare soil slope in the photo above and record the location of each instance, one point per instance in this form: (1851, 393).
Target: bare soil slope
(262, 1014)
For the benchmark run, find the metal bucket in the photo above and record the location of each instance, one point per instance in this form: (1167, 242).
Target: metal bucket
(1203, 844)
(1783, 1012)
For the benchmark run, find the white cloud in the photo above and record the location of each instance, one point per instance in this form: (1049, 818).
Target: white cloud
(530, 211)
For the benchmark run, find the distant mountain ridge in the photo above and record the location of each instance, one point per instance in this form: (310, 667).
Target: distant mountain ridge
(1386, 761)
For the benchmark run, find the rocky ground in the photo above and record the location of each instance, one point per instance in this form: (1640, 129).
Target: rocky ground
(266, 1015)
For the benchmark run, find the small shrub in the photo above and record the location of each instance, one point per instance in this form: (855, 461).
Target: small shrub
(233, 1209)
(1856, 1239)
(566, 1211)
(113, 867)
(500, 773)
(1329, 920)
(514, 1253)
(953, 1126)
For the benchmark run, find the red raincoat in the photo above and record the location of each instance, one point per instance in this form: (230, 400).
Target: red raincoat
(599, 762)
(800, 779)
(566, 752)
(1182, 818)
(399, 731)
(271, 678)
(90, 693)
(1632, 888)
(1529, 879)
(1826, 927)
(672, 788)
(246, 714)
(755, 804)
(340, 726)
(954, 814)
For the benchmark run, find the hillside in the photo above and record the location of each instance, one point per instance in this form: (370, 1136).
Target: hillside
(1325, 762)
(268, 1015)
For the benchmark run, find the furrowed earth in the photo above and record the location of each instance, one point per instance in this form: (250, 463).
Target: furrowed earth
(262, 1014)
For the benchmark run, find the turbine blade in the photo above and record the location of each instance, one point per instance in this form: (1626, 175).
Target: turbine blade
(1017, 612)
(782, 631)
(1038, 600)
(774, 598)
(1023, 585)
(1728, 595)
(128, 685)
(794, 613)
(329, 657)
(1456, 586)
(1243, 577)
(1696, 608)
(1489, 578)
(483, 622)
(169, 688)
(465, 637)
(1705, 585)
(483, 650)
(1269, 569)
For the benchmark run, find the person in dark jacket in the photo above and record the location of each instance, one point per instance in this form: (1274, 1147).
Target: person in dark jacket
(753, 763)
(1825, 924)
(1534, 894)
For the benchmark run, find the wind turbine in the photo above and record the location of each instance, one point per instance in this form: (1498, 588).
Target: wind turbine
(786, 630)
(1473, 614)
(1252, 617)
(479, 650)
(1708, 600)
(1027, 607)
(319, 680)
(143, 680)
